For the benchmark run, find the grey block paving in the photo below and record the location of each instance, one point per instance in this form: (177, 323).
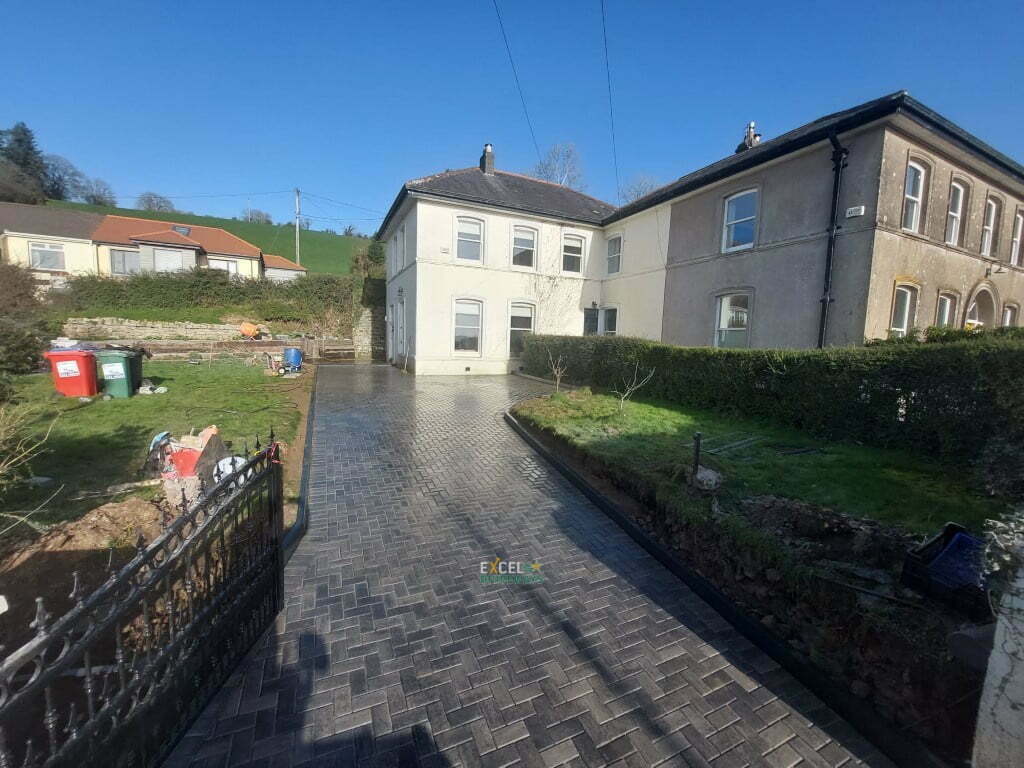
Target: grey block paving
(390, 652)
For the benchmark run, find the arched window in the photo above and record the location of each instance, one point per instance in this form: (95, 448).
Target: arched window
(990, 227)
(913, 196)
(954, 217)
(1010, 314)
(981, 311)
(945, 310)
(904, 310)
(524, 247)
(469, 244)
(739, 223)
(1015, 243)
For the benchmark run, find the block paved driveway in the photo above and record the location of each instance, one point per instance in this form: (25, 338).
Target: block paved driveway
(391, 652)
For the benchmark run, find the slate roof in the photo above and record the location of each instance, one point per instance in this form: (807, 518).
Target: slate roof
(127, 230)
(48, 220)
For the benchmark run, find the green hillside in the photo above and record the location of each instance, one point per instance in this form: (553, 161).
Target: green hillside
(321, 251)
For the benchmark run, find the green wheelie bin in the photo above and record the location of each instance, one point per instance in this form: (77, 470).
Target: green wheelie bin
(119, 368)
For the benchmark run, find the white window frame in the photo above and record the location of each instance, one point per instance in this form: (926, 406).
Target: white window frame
(533, 321)
(400, 331)
(602, 320)
(1015, 310)
(231, 266)
(952, 299)
(918, 201)
(954, 218)
(401, 248)
(480, 328)
(608, 259)
(718, 329)
(988, 226)
(566, 236)
(483, 241)
(53, 248)
(1015, 243)
(909, 318)
(535, 234)
(124, 252)
(726, 223)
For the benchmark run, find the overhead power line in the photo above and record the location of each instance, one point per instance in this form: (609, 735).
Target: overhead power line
(342, 202)
(519, 86)
(611, 111)
(221, 194)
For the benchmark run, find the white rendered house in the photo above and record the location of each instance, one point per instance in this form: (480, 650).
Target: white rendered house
(477, 258)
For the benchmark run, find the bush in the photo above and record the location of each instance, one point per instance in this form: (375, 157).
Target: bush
(22, 325)
(943, 399)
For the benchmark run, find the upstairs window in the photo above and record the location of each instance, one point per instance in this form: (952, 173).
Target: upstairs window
(732, 327)
(1010, 316)
(46, 255)
(904, 310)
(614, 254)
(572, 254)
(470, 245)
(467, 326)
(945, 310)
(989, 227)
(740, 221)
(913, 197)
(1018, 226)
(954, 217)
(124, 262)
(524, 247)
(520, 326)
(401, 248)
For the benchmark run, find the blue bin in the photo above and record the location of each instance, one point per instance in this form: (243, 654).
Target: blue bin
(292, 357)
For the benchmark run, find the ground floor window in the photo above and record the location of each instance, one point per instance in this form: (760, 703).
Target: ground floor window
(733, 321)
(600, 322)
(590, 321)
(945, 311)
(467, 326)
(46, 255)
(1010, 316)
(609, 321)
(224, 264)
(904, 310)
(520, 326)
(124, 262)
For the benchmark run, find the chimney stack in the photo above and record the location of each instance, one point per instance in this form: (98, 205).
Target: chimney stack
(487, 160)
(750, 138)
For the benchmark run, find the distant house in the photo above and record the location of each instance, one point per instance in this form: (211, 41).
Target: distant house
(280, 269)
(53, 242)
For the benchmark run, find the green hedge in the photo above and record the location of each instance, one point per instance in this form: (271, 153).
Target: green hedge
(942, 399)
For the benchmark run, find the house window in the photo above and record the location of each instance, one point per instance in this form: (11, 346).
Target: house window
(572, 254)
(124, 262)
(401, 248)
(913, 195)
(904, 310)
(524, 246)
(989, 227)
(590, 321)
(401, 326)
(470, 243)
(1018, 226)
(733, 324)
(46, 255)
(394, 254)
(609, 321)
(520, 326)
(1010, 316)
(225, 264)
(945, 310)
(954, 216)
(614, 254)
(467, 326)
(740, 221)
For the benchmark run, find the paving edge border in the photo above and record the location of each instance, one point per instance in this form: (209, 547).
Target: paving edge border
(901, 748)
(301, 524)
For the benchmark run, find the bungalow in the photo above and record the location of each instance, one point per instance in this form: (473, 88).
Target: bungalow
(280, 269)
(53, 242)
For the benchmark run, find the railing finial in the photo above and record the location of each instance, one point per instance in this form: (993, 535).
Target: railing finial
(39, 622)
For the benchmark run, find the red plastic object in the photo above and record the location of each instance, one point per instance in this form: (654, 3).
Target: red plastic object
(73, 371)
(184, 461)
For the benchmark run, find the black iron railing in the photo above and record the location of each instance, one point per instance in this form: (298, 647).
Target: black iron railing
(117, 679)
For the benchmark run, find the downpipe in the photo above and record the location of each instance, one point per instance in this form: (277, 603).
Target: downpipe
(839, 155)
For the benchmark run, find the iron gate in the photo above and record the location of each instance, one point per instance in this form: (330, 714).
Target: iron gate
(118, 678)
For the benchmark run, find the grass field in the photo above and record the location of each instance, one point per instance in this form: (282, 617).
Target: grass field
(654, 442)
(321, 251)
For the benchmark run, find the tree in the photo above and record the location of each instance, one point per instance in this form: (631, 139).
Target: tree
(562, 166)
(62, 180)
(350, 231)
(631, 382)
(256, 216)
(18, 146)
(98, 192)
(305, 223)
(151, 201)
(16, 186)
(638, 186)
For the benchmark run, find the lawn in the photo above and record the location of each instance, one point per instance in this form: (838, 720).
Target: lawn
(100, 443)
(654, 442)
(321, 251)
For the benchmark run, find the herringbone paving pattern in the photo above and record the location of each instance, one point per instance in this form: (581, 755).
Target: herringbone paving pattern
(391, 652)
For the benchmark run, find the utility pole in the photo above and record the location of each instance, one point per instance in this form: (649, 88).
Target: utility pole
(298, 214)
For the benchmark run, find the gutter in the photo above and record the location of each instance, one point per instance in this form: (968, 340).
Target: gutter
(839, 155)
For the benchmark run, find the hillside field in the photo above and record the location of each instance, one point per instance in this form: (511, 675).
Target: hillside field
(321, 251)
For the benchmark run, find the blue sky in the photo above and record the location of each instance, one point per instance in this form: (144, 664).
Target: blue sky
(347, 100)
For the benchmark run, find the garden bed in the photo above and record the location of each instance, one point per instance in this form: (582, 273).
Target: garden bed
(805, 536)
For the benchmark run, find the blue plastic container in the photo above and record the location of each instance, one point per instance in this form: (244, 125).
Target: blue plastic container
(292, 357)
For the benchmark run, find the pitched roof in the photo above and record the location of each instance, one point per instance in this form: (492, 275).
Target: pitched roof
(48, 220)
(272, 261)
(126, 230)
(506, 190)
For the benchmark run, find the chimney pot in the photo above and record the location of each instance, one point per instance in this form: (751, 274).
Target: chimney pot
(487, 160)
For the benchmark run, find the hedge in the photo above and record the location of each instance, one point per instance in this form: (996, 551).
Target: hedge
(943, 399)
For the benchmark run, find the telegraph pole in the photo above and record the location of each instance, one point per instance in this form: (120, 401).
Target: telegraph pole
(298, 214)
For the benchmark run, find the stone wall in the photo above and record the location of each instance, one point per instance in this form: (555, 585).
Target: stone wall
(369, 334)
(118, 328)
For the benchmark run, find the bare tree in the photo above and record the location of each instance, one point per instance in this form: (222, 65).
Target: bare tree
(558, 368)
(631, 384)
(256, 216)
(151, 201)
(98, 192)
(350, 231)
(640, 185)
(562, 166)
(62, 180)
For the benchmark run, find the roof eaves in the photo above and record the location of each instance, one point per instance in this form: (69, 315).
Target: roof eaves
(596, 219)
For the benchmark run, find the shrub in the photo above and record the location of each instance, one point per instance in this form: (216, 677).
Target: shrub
(22, 325)
(943, 399)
